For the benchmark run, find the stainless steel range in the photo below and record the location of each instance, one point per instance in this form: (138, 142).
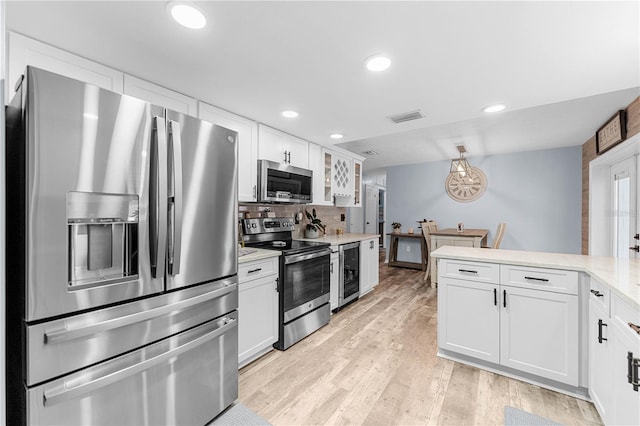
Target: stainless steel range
(304, 277)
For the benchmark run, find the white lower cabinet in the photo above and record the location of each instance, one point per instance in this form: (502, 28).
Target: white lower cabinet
(469, 318)
(626, 366)
(369, 275)
(539, 333)
(614, 362)
(614, 357)
(600, 352)
(532, 327)
(257, 309)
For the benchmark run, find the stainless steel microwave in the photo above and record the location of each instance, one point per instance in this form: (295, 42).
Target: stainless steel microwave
(281, 183)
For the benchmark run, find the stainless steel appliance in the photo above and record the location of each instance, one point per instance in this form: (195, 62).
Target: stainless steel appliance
(122, 259)
(304, 281)
(349, 282)
(281, 183)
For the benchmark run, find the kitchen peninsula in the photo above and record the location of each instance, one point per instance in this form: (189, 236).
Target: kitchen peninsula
(562, 321)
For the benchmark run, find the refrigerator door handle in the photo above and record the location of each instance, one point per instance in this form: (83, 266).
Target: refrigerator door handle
(65, 393)
(157, 208)
(63, 335)
(176, 199)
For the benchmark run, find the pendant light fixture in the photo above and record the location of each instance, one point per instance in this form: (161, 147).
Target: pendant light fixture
(460, 165)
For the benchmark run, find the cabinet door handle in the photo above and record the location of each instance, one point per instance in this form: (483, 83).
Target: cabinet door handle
(285, 157)
(468, 271)
(277, 281)
(634, 327)
(254, 270)
(495, 297)
(536, 279)
(289, 157)
(331, 268)
(600, 325)
(504, 298)
(632, 371)
(255, 191)
(596, 293)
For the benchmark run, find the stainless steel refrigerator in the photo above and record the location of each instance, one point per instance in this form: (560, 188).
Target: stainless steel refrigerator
(121, 259)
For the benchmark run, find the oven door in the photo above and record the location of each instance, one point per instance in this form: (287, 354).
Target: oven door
(305, 282)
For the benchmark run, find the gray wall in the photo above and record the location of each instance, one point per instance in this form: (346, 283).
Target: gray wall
(537, 193)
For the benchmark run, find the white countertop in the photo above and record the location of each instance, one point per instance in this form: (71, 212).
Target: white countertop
(259, 254)
(336, 240)
(622, 275)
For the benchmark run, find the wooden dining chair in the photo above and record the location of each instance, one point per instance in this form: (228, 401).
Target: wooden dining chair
(498, 238)
(427, 228)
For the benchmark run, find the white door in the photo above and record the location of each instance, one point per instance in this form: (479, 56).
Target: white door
(371, 209)
(624, 208)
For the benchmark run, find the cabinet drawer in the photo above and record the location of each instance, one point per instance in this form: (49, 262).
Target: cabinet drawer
(470, 271)
(257, 269)
(600, 295)
(555, 280)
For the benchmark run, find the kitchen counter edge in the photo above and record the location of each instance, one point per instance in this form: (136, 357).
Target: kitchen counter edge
(621, 275)
(336, 240)
(258, 255)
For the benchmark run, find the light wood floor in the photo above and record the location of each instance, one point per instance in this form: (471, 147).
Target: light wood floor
(375, 363)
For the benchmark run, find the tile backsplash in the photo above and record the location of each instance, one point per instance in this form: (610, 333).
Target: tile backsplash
(330, 216)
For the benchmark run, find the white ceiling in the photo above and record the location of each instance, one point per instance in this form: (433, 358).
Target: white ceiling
(562, 68)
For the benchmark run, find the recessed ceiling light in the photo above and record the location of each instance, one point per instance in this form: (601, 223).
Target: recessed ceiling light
(494, 108)
(187, 15)
(377, 63)
(336, 136)
(290, 113)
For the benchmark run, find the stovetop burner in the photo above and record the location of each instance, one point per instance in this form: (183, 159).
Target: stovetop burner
(276, 234)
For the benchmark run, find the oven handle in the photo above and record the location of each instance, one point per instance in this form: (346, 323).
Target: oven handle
(295, 258)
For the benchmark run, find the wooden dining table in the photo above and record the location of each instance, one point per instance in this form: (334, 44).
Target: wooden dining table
(452, 237)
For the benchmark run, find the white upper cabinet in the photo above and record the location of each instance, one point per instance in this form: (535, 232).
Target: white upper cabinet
(316, 164)
(24, 51)
(342, 177)
(160, 96)
(281, 147)
(247, 147)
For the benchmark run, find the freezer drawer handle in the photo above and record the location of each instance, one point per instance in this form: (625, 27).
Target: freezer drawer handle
(57, 336)
(64, 394)
(596, 293)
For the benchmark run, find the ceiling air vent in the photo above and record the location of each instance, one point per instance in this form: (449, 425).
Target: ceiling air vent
(371, 152)
(407, 116)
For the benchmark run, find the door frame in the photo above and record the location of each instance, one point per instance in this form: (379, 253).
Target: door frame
(601, 195)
